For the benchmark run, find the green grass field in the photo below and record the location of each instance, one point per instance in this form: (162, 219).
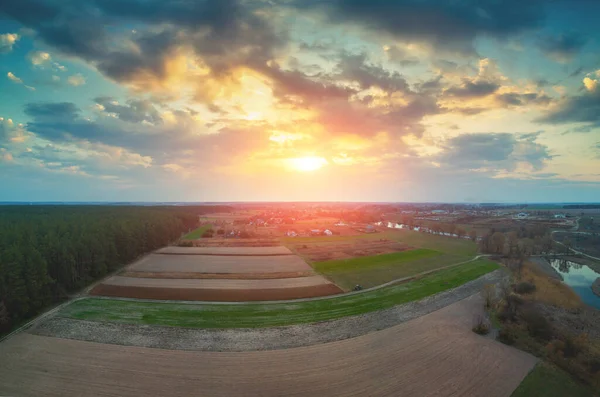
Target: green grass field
(275, 314)
(369, 271)
(548, 381)
(431, 252)
(196, 234)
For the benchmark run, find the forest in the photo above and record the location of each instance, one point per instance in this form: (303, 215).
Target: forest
(50, 252)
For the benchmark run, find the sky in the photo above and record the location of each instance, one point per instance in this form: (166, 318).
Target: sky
(300, 100)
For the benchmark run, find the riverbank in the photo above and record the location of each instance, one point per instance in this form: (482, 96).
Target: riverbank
(596, 287)
(544, 265)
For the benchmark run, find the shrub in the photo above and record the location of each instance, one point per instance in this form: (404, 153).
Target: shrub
(185, 243)
(207, 234)
(525, 287)
(489, 295)
(511, 308)
(507, 336)
(481, 327)
(594, 365)
(220, 231)
(537, 325)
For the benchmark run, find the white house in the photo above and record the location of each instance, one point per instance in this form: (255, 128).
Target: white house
(522, 215)
(559, 216)
(328, 232)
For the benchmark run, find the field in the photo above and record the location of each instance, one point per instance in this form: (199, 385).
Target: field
(331, 250)
(275, 314)
(225, 274)
(220, 264)
(548, 381)
(390, 255)
(390, 362)
(196, 234)
(374, 270)
(226, 250)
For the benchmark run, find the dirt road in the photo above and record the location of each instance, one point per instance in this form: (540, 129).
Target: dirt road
(434, 355)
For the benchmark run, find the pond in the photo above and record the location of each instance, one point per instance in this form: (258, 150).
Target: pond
(580, 278)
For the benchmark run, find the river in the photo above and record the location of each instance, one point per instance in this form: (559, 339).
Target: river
(580, 278)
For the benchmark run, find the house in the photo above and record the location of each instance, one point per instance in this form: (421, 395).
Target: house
(291, 233)
(559, 216)
(328, 232)
(522, 215)
(315, 232)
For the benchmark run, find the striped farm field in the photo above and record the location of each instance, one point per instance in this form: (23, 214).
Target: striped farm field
(241, 251)
(219, 264)
(274, 314)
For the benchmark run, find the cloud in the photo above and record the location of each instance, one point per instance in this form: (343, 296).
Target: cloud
(7, 41)
(52, 110)
(134, 111)
(223, 34)
(448, 26)
(519, 99)
(494, 152)
(76, 80)
(584, 108)
(11, 76)
(473, 89)
(39, 58)
(590, 84)
(562, 48)
(355, 68)
(14, 78)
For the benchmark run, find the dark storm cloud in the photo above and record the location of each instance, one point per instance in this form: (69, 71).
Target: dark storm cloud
(562, 48)
(449, 25)
(583, 108)
(497, 151)
(224, 32)
(473, 89)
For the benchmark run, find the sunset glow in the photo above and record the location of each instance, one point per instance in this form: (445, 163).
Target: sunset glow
(231, 100)
(309, 163)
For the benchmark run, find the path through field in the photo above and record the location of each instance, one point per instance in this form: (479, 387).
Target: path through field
(434, 355)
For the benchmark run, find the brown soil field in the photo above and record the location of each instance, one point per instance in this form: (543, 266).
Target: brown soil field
(218, 250)
(216, 295)
(434, 355)
(343, 250)
(219, 284)
(220, 276)
(236, 242)
(219, 264)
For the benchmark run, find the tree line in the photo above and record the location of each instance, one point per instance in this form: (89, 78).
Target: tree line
(48, 252)
(523, 241)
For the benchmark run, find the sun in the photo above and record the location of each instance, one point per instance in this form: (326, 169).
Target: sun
(309, 163)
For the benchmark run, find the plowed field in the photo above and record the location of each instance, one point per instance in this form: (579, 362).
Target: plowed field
(434, 355)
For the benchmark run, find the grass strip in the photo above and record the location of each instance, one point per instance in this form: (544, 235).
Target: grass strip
(274, 314)
(197, 233)
(365, 262)
(548, 381)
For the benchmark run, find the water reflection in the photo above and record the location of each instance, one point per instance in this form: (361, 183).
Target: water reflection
(580, 278)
